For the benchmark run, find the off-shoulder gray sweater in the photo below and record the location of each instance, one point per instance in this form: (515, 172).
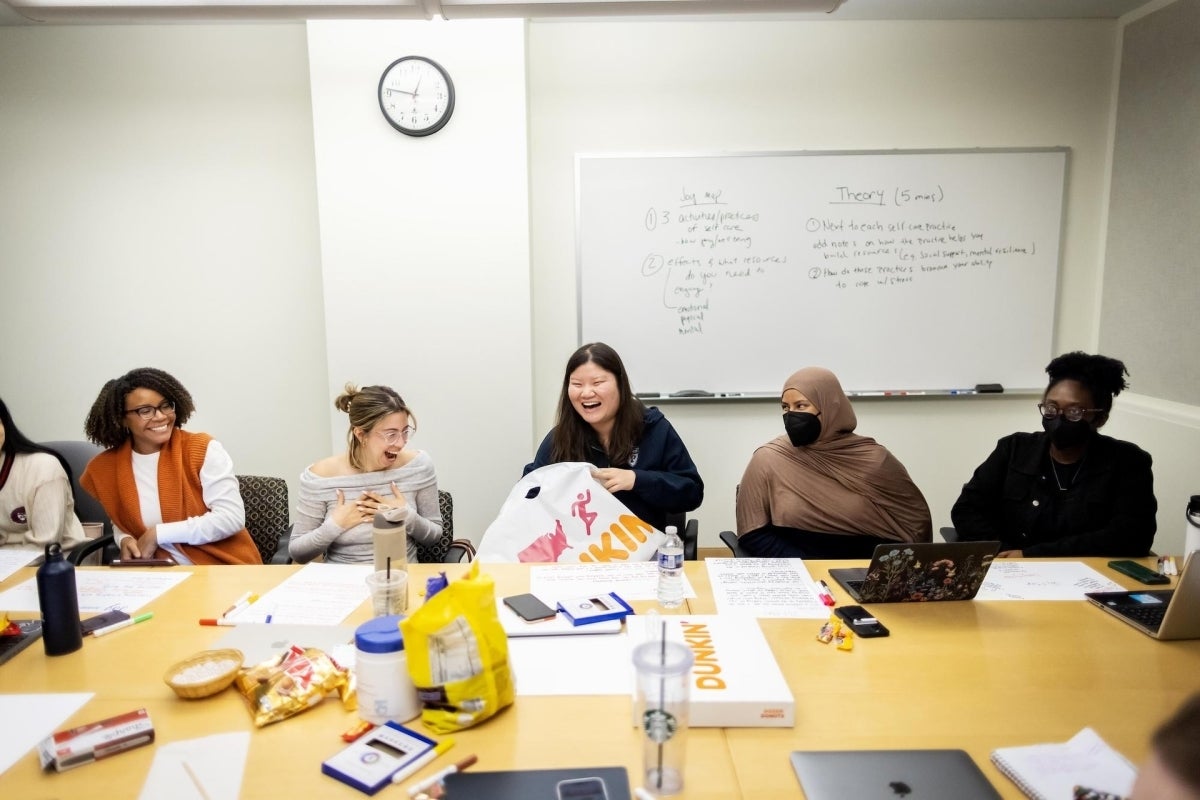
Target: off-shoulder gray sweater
(315, 533)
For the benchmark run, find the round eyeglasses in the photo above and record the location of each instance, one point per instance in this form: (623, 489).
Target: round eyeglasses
(392, 437)
(147, 412)
(1051, 411)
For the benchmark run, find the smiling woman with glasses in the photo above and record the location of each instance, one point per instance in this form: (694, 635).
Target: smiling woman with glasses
(169, 492)
(340, 495)
(1068, 490)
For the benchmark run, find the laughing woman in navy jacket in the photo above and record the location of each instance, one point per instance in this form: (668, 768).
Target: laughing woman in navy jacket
(639, 457)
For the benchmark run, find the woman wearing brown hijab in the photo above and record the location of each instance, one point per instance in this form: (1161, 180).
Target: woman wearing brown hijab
(821, 490)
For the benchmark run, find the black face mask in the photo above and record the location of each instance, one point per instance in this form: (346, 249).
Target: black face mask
(1066, 434)
(802, 427)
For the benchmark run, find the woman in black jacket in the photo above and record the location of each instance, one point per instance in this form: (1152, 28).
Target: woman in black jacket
(1067, 491)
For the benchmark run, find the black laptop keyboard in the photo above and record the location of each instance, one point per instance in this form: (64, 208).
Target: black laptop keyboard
(855, 586)
(1149, 616)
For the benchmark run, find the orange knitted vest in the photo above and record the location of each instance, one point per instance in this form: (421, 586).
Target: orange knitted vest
(109, 478)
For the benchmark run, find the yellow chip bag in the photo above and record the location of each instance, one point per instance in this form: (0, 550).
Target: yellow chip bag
(289, 683)
(458, 654)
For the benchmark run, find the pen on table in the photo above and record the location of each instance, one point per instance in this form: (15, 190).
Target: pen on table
(417, 764)
(243, 605)
(125, 623)
(219, 621)
(826, 595)
(437, 777)
(237, 603)
(641, 794)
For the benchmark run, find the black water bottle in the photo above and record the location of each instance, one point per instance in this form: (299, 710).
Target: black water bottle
(59, 602)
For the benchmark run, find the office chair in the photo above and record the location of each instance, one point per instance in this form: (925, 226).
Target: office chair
(689, 532)
(731, 541)
(446, 550)
(87, 508)
(948, 533)
(267, 512)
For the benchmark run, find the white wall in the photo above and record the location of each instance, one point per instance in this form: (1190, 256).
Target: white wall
(159, 194)
(158, 208)
(425, 247)
(679, 86)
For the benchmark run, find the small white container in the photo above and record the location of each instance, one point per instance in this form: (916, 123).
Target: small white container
(385, 690)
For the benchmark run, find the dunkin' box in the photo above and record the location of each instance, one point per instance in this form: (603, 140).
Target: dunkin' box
(736, 682)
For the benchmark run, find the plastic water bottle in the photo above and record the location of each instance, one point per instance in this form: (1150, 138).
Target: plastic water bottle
(670, 570)
(59, 602)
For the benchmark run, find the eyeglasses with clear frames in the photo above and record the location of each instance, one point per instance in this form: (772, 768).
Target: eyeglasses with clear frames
(1050, 411)
(147, 412)
(391, 437)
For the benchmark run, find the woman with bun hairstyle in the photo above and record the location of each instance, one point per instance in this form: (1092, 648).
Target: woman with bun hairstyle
(169, 492)
(1068, 490)
(340, 495)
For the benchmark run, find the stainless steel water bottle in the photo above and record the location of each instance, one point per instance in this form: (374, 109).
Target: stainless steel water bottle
(59, 602)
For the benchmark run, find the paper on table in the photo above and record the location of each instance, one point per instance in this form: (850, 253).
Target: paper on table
(636, 580)
(765, 587)
(13, 558)
(319, 594)
(208, 768)
(1042, 580)
(566, 665)
(103, 589)
(30, 718)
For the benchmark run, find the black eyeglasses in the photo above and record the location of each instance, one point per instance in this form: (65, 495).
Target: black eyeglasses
(147, 412)
(1050, 411)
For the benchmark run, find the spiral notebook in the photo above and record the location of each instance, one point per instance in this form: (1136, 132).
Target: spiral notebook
(1049, 771)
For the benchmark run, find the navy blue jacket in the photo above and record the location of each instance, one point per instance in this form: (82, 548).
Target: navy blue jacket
(1108, 510)
(667, 479)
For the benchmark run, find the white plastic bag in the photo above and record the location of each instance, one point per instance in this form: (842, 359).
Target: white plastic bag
(561, 513)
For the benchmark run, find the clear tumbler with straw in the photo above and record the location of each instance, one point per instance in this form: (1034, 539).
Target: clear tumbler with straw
(664, 671)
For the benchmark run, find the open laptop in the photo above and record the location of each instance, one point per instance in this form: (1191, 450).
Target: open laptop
(910, 572)
(890, 774)
(1161, 613)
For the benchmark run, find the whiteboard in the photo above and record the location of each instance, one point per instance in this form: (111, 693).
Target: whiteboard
(909, 271)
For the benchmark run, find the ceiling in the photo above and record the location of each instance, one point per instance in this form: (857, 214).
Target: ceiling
(39, 12)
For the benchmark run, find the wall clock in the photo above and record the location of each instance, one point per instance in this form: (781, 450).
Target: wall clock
(416, 95)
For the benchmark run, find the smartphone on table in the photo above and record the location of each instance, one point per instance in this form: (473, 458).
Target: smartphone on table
(529, 608)
(862, 622)
(1138, 572)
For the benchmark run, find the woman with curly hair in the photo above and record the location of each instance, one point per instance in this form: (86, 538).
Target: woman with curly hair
(1068, 490)
(169, 492)
(37, 505)
(378, 473)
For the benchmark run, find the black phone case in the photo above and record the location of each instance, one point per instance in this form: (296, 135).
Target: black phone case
(102, 621)
(529, 608)
(872, 631)
(1139, 573)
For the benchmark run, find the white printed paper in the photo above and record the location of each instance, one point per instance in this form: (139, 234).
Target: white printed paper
(631, 581)
(1018, 579)
(319, 594)
(114, 589)
(765, 587)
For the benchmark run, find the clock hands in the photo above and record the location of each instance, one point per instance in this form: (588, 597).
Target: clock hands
(401, 91)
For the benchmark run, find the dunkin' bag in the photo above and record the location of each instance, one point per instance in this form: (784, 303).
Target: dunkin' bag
(560, 513)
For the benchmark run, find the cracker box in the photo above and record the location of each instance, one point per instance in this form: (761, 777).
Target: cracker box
(96, 740)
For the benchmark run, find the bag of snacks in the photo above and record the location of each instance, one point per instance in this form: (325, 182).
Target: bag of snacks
(458, 654)
(294, 681)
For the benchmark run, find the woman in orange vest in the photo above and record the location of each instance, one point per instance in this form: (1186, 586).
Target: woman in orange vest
(169, 492)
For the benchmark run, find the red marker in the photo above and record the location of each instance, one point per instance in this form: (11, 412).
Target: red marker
(825, 595)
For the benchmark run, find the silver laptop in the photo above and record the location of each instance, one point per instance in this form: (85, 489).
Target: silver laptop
(909, 572)
(259, 641)
(890, 774)
(1161, 613)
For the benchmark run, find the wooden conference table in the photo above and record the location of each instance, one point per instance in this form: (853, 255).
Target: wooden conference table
(970, 675)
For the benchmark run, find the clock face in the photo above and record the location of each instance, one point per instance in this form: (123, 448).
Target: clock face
(416, 95)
